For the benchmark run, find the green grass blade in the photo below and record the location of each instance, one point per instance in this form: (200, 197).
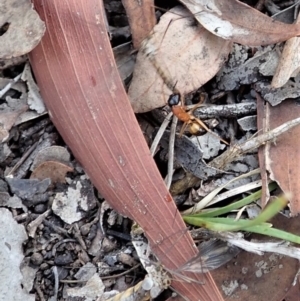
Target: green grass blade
(236, 205)
(227, 224)
(272, 232)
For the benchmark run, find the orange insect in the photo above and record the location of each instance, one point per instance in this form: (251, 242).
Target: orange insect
(188, 118)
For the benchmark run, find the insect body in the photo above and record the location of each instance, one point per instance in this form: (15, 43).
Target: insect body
(187, 117)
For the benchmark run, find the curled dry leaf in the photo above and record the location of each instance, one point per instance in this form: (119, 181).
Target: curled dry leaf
(22, 27)
(188, 53)
(34, 98)
(54, 170)
(8, 117)
(240, 23)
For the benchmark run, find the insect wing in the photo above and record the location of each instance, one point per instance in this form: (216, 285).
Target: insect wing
(212, 255)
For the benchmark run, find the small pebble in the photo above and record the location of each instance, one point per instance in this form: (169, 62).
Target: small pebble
(36, 259)
(44, 266)
(41, 208)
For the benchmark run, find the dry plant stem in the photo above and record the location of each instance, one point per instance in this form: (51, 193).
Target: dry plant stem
(39, 292)
(284, 10)
(159, 134)
(236, 151)
(75, 69)
(32, 227)
(259, 248)
(24, 157)
(56, 282)
(104, 277)
(10, 84)
(171, 152)
(296, 278)
(235, 191)
(211, 198)
(228, 111)
(141, 16)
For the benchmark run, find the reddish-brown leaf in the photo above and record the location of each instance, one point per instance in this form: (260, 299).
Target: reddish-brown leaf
(79, 82)
(53, 170)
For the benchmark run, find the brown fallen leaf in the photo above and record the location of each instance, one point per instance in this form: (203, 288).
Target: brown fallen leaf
(53, 170)
(280, 158)
(256, 278)
(235, 21)
(189, 55)
(23, 29)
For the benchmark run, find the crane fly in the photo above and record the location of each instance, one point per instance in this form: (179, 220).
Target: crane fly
(212, 254)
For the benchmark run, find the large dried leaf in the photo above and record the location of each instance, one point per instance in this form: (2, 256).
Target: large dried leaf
(280, 159)
(79, 81)
(240, 23)
(23, 29)
(189, 55)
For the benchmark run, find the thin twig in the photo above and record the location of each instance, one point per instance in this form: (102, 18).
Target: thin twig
(10, 84)
(169, 177)
(39, 292)
(104, 277)
(237, 150)
(160, 134)
(260, 248)
(24, 157)
(56, 282)
(286, 9)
